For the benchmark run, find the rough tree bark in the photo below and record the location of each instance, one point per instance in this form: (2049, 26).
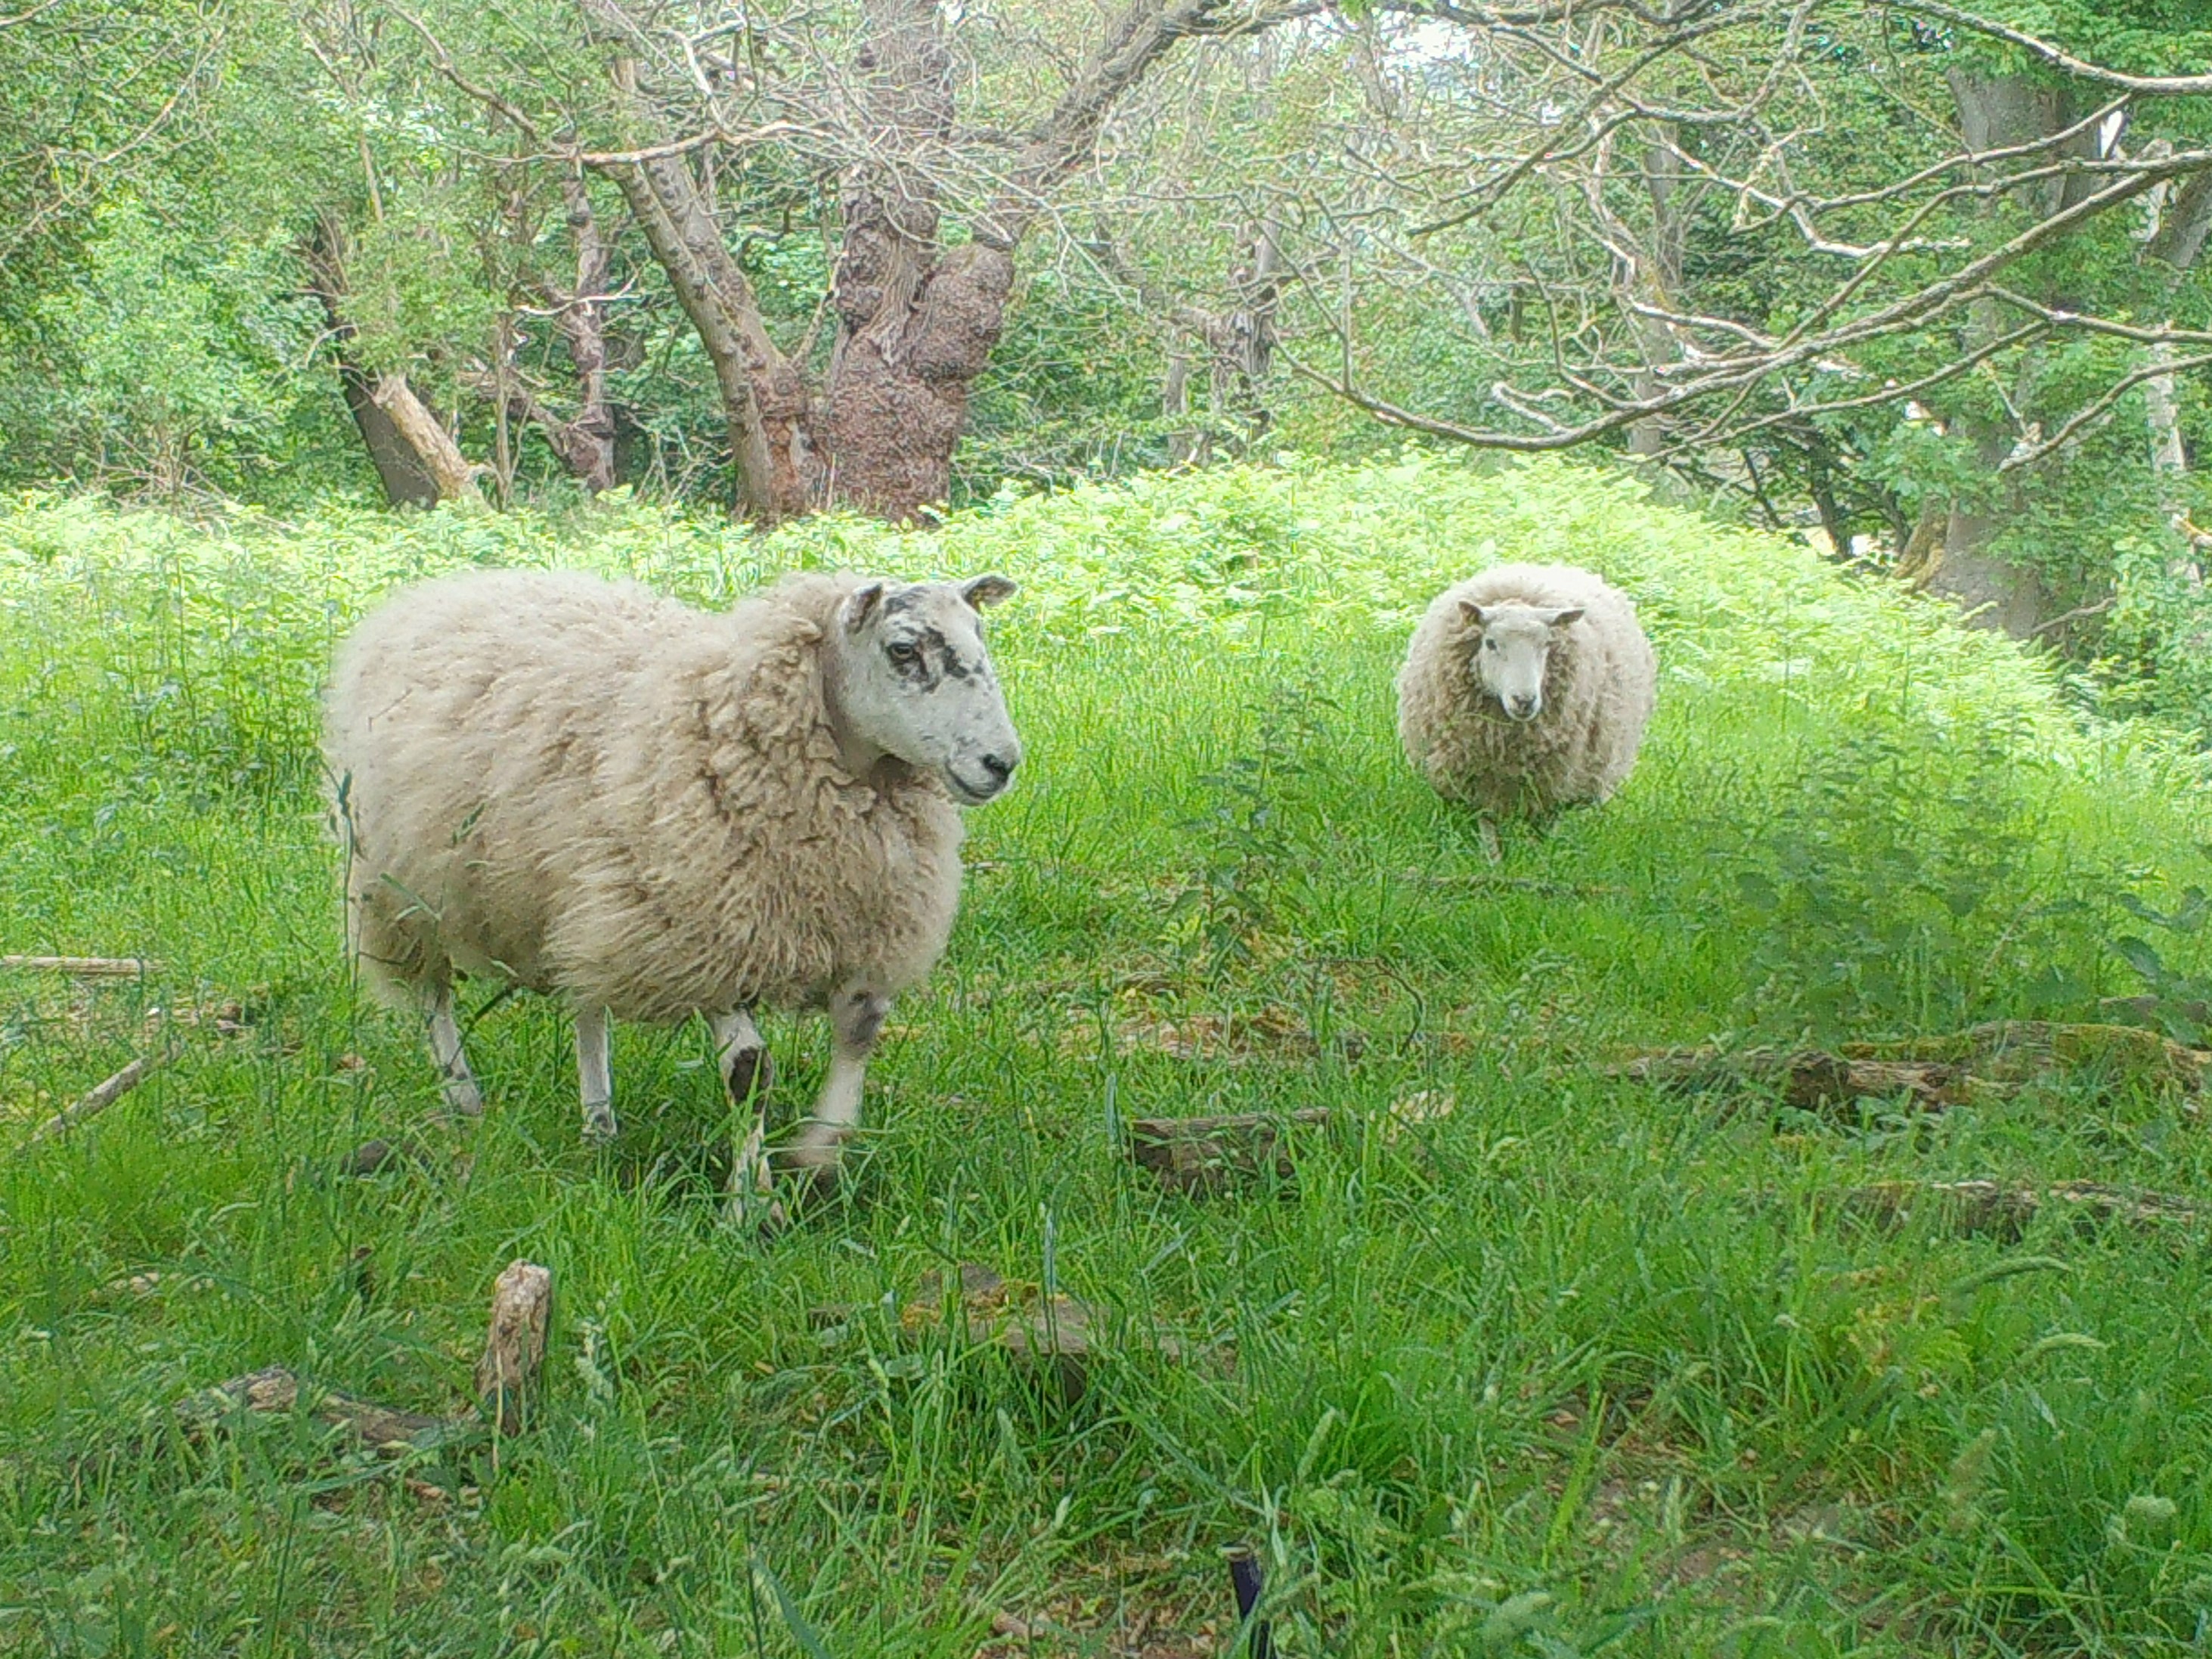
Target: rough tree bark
(1996, 111)
(584, 443)
(916, 322)
(914, 326)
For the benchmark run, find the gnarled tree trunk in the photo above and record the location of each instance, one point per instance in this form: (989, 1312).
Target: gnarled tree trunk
(916, 322)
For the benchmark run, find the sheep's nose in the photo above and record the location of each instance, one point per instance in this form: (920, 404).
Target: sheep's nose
(1001, 767)
(1523, 708)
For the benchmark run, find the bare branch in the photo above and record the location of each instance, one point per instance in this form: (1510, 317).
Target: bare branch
(2167, 85)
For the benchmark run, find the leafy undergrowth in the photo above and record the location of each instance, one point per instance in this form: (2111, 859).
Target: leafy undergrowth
(1540, 1361)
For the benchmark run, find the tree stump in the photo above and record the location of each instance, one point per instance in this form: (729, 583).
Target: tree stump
(514, 1348)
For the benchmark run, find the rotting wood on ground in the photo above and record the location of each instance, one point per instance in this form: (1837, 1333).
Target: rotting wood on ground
(506, 1377)
(1986, 1063)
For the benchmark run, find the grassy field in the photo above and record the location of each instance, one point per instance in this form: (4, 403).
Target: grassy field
(1568, 1365)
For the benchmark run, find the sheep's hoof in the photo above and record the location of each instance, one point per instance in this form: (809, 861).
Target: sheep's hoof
(750, 1073)
(599, 1125)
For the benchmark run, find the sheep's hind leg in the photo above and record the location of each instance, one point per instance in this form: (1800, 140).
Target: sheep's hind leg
(856, 1017)
(595, 1073)
(462, 1095)
(747, 1072)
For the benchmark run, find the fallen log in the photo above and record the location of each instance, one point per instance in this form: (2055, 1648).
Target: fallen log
(1991, 1062)
(84, 967)
(1050, 1337)
(507, 1378)
(1994, 1209)
(381, 1429)
(1205, 1155)
(102, 1096)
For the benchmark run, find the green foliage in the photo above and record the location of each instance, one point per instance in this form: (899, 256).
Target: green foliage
(1895, 889)
(1259, 825)
(185, 362)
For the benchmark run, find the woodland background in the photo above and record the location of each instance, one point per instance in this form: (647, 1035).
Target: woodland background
(1923, 280)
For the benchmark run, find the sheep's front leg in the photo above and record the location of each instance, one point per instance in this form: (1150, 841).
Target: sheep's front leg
(462, 1095)
(595, 1073)
(856, 1017)
(746, 1074)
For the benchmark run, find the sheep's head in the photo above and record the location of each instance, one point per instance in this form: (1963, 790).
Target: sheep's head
(911, 678)
(1512, 648)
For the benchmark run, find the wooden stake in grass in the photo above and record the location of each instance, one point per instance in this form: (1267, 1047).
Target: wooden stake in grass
(101, 1097)
(514, 1347)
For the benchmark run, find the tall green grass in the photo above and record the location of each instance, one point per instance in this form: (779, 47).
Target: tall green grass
(1576, 1367)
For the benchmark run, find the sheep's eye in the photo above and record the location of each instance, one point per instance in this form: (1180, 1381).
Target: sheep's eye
(903, 653)
(1490, 644)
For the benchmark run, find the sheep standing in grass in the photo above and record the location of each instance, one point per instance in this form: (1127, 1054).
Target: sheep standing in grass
(1527, 688)
(651, 811)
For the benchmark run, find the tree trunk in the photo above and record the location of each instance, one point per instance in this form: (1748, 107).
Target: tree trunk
(1654, 277)
(1243, 340)
(1190, 443)
(915, 327)
(585, 443)
(764, 398)
(916, 324)
(1996, 111)
(406, 481)
(912, 339)
(2175, 244)
(407, 478)
(456, 480)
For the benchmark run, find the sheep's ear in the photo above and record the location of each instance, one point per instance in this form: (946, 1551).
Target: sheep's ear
(1567, 618)
(1474, 612)
(860, 605)
(987, 589)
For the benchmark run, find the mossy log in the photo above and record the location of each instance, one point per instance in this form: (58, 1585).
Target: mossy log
(1991, 1062)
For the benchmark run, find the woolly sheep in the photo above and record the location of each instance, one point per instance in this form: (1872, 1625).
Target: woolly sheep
(587, 790)
(1527, 688)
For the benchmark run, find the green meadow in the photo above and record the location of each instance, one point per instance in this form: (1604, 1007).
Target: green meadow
(1521, 1357)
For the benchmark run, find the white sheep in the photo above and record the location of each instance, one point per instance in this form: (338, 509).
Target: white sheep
(585, 789)
(1527, 688)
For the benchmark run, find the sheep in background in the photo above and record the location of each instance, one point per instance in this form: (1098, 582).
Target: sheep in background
(653, 811)
(1527, 688)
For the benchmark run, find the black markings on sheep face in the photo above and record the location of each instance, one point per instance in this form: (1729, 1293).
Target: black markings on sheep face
(923, 658)
(920, 687)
